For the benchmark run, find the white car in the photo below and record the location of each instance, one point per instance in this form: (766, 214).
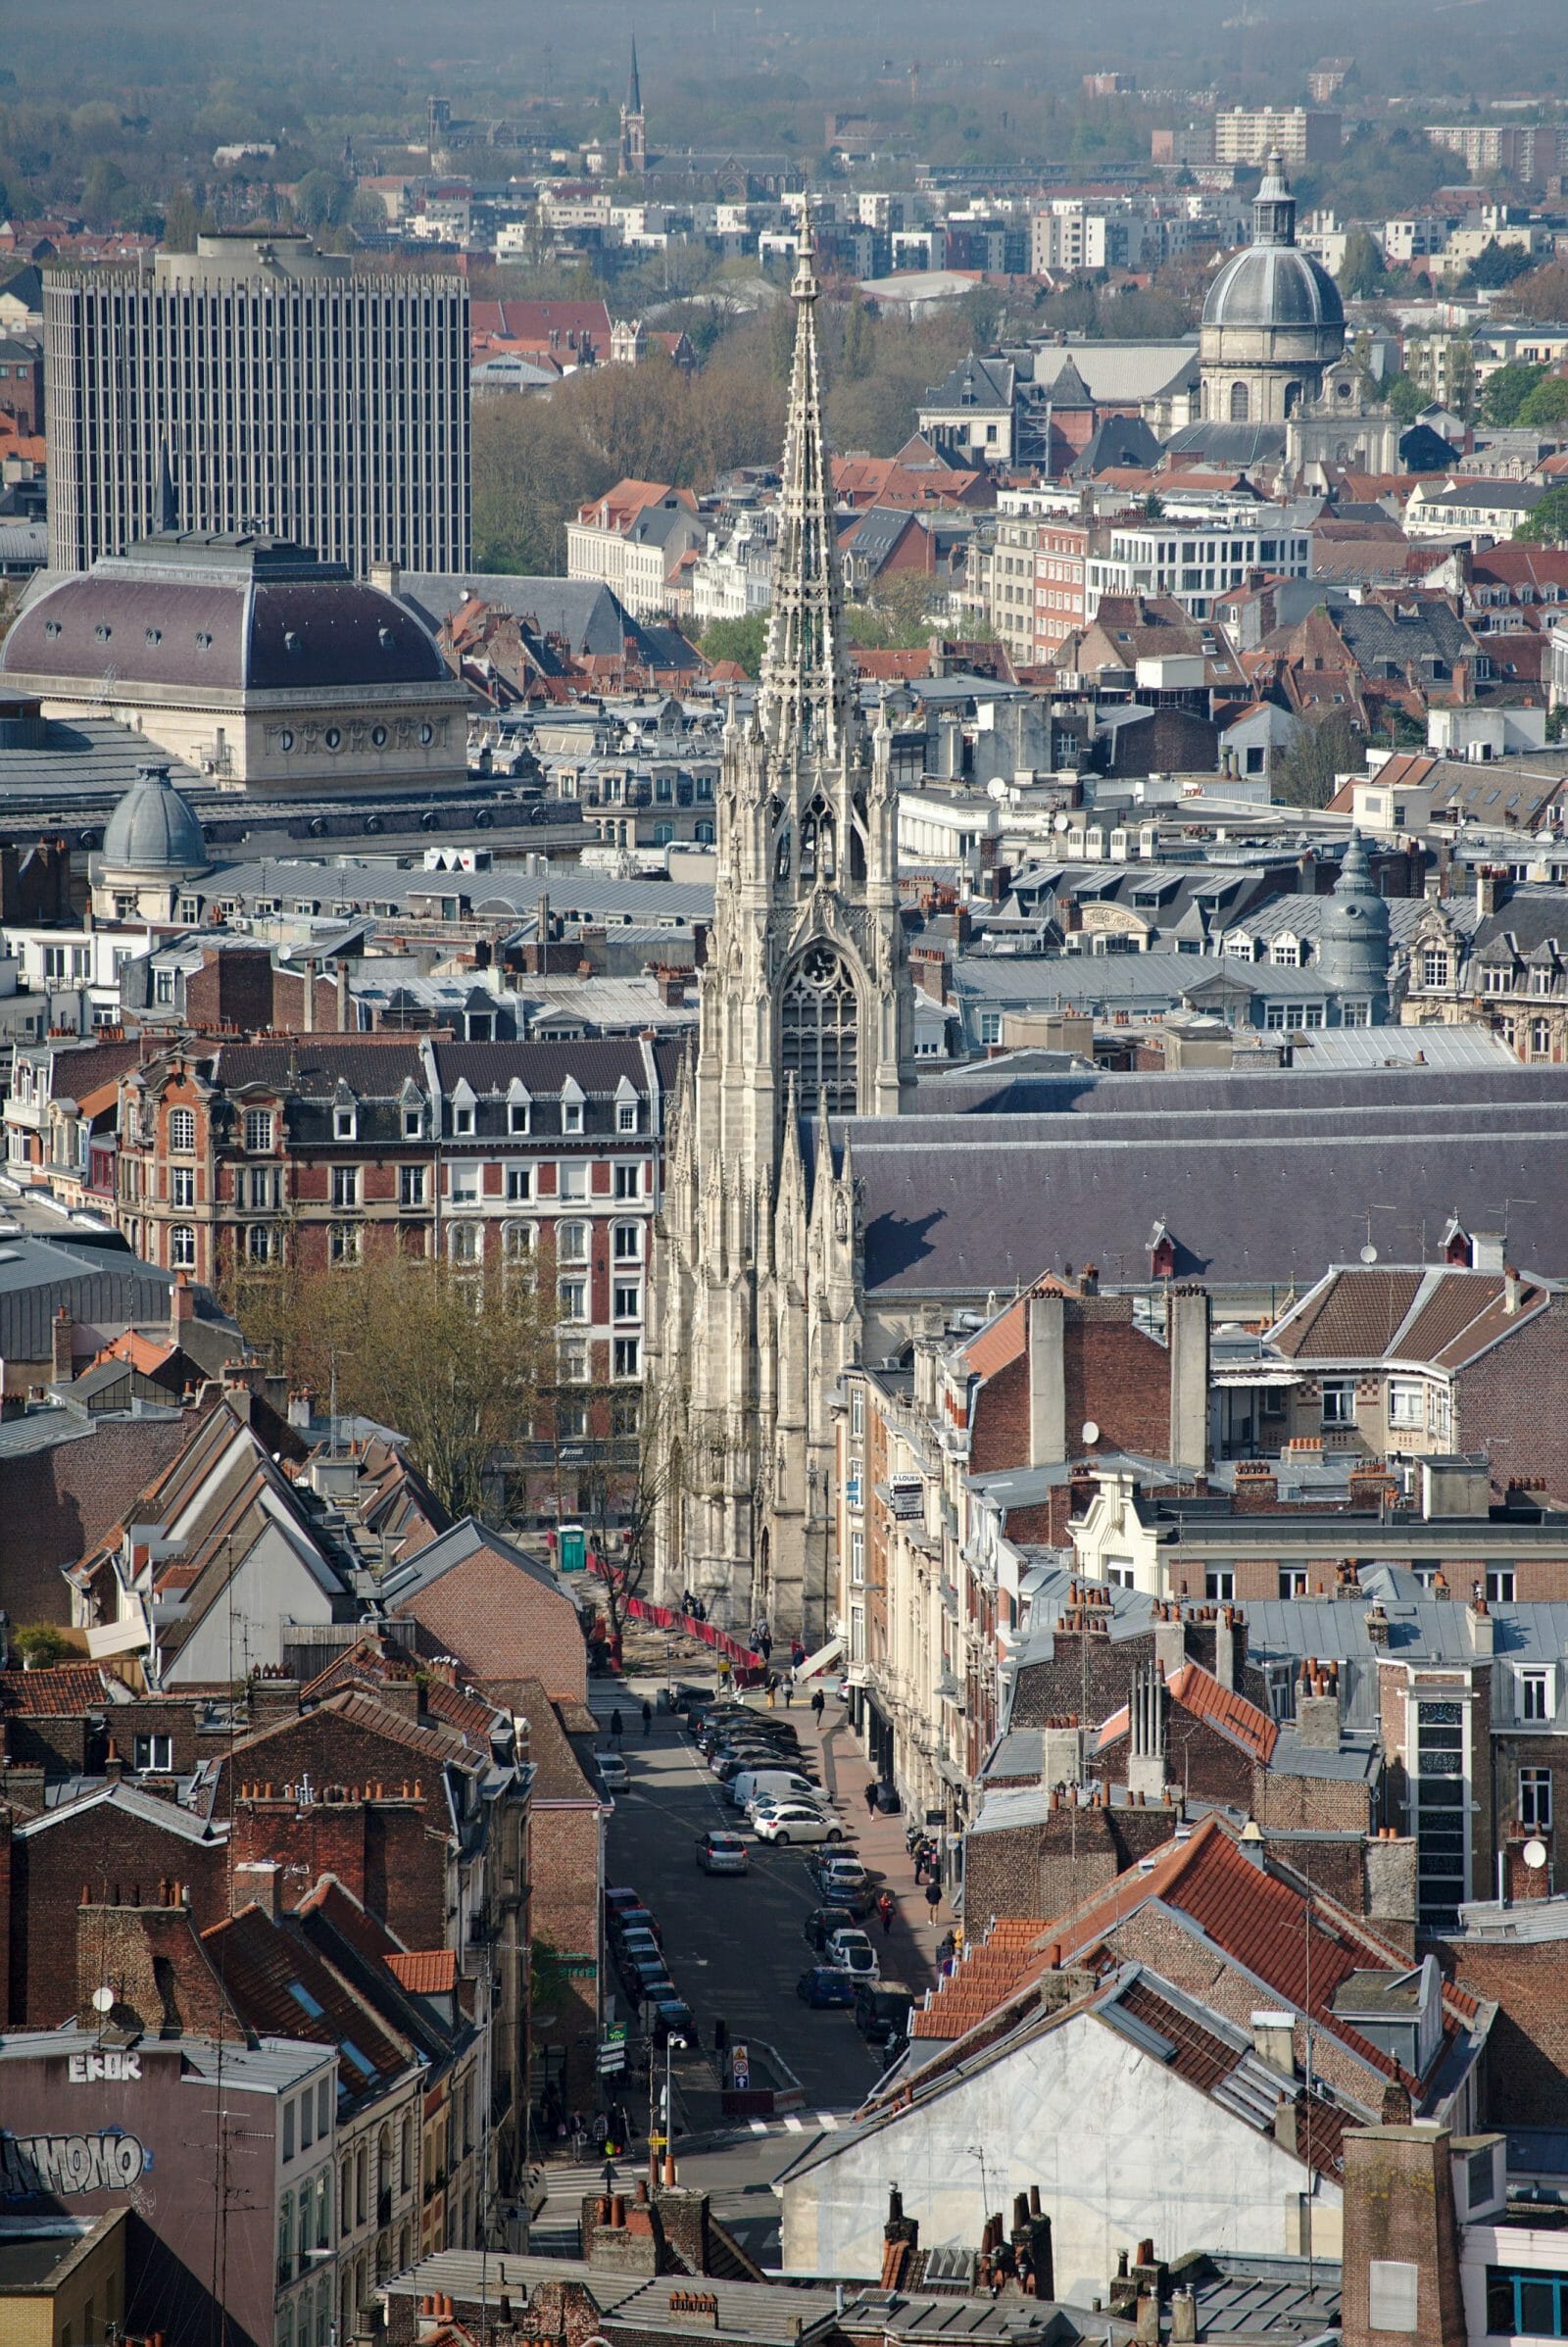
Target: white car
(851, 1951)
(794, 1822)
(769, 1805)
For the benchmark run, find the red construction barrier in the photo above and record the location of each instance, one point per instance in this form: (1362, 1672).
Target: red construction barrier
(665, 1617)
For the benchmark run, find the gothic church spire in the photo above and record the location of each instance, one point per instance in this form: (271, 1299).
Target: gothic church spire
(806, 704)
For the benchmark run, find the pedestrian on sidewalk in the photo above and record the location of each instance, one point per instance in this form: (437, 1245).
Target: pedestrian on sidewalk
(789, 1689)
(818, 1706)
(647, 1719)
(870, 1797)
(772, 1689)
(610, 2176)
(886, 1909)
(614, 1727)
(933, 1896)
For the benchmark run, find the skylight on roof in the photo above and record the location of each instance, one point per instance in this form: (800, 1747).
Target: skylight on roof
(302, 1996)
(361, 2062)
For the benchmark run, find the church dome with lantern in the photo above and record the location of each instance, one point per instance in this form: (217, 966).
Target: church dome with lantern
(1272, 321)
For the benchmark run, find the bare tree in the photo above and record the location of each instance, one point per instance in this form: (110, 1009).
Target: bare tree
(454, 1361)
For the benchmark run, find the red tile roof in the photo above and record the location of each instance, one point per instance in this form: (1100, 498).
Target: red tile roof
(1198, 1691)
(63, 1689)
(425, 1971)
(1004, 1961)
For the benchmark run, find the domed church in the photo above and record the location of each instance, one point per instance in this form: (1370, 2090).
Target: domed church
(1273, 321)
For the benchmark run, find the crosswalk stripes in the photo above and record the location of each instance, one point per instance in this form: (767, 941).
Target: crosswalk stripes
(827, 2121)
(758, 2127)
(793, 2126)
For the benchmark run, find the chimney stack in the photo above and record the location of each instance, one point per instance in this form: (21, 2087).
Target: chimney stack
(1048, 1380)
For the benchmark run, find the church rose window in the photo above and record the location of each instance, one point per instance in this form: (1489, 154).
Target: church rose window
(820, 1030)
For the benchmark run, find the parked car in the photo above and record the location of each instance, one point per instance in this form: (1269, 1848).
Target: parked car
(839, 1867)
(674, 2018)
(728, 1766)
(635, 1919)
(822, 1922)
(882, 2010)
(721, 1853)
(821, 1988)
(648, 1979)
(798, 1822)
(792, 1781)
(611, 1771)
(849, 1950)
(619, 1896)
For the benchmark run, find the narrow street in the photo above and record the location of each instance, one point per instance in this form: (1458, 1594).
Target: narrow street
(736, 1947)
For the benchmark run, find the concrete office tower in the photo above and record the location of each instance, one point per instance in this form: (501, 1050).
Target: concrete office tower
(258, 385)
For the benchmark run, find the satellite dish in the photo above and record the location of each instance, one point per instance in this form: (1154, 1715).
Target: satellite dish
(1062, 823)
(1090, 1432)
(996, 788)
(1535, 1854)
(103, 2000)
(1369, 1253)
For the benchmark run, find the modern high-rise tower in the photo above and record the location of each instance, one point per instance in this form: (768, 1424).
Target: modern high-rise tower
(805, 1011)
(259, 385)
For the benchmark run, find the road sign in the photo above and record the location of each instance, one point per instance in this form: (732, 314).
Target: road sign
(612, 2054)
(740, 2066)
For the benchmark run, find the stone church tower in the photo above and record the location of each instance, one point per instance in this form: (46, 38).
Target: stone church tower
(632, 155)
(804, 1009)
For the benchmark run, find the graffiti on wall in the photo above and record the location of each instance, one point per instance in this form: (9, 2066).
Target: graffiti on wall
(64, 2163)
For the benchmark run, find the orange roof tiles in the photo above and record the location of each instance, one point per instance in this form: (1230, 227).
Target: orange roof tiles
(61, 1689)
(425, 1971)
(1198, 1691)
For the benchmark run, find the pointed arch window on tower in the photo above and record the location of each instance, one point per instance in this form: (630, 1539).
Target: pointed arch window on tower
(820, 1030)
(817, 859)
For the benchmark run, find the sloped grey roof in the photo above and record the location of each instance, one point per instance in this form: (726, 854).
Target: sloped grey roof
(587, 615)
(1258, 1178)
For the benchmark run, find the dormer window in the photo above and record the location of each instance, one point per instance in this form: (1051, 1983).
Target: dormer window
(520, 1114)
(572, 1116)
(345, 1124)
(412, 1124)
(462, 1120)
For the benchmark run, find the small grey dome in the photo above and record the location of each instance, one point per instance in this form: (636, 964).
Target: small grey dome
(1356, 909)
(153, 829)
(1273, 285)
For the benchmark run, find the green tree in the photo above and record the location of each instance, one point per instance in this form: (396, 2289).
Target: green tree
(102, 193)
(1547, 404)
(1497, 264)
(1362, 273)
(1405, 396)
(1505, 391)
(857, 356)
(321, 200)
(743, 640)
(1306, 772)
(182, 223)
(1547, 524)
(40, 1643)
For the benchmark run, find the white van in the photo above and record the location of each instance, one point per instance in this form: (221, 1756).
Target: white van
(789, 1784)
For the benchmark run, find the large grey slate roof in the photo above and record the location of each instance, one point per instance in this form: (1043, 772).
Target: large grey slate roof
(39, 1275)
(1259, 1179)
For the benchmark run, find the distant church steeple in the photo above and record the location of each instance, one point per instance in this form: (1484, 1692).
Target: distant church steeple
(633, 130)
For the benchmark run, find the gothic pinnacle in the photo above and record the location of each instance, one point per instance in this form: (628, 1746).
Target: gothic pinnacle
(807, 704)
